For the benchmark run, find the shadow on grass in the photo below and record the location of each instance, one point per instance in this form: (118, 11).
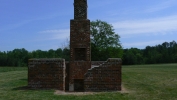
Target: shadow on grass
(30, 88)
(22, 88)
(24, 79)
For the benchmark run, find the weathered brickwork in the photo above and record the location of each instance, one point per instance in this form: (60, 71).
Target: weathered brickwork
(80, 31)
(80, 9)
(78, 69)
(80, 51)
(46, 73)
(106, 77)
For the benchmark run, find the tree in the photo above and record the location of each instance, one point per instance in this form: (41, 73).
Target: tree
(58, 53)
(104, 41)
(66, 54)
(103, 35)
(3, 58)
(51, 53)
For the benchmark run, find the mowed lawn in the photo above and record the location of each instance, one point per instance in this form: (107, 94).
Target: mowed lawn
(140, 82)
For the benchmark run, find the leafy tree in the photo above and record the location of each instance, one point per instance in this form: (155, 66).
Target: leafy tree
(51, 53)
(133, 56)
(104, 41)
(103, 35)
(66, 54)
(3, 58)
(58, 53)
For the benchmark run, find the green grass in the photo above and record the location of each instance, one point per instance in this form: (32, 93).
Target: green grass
(142, 82)
(151, 82)
(7, 69)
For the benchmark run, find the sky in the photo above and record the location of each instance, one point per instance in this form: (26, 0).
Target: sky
(45, 24)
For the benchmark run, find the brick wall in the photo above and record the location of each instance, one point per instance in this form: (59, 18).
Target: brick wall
(105, 77)
(78, 69)
(46, 73)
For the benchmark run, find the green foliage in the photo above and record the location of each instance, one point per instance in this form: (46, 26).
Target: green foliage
(164, 53)
(103, 35)
(104, 41)
(133, 56)
(19, 57)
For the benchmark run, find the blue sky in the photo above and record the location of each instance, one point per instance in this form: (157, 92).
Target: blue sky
(45, 24)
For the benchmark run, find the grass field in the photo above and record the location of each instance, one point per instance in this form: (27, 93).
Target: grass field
(142, 82)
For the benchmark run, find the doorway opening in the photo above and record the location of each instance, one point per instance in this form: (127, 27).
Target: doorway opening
(79, 85)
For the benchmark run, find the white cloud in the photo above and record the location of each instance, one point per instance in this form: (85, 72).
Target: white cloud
(56, 34)
(143, 44)
(161, 6)
(150, 26)
(56, 31)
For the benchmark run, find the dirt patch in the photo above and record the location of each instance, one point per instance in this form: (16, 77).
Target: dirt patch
(124, 90)
(58, 92)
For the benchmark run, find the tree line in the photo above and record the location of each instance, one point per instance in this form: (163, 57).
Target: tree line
(19, 57)
(162, 53)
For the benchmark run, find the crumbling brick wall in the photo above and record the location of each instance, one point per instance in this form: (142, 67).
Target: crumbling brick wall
(106, 77)
(97, 63)
(46, 73)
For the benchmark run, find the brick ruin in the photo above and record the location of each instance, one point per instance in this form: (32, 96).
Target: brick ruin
(46, 73)
(80, 73)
